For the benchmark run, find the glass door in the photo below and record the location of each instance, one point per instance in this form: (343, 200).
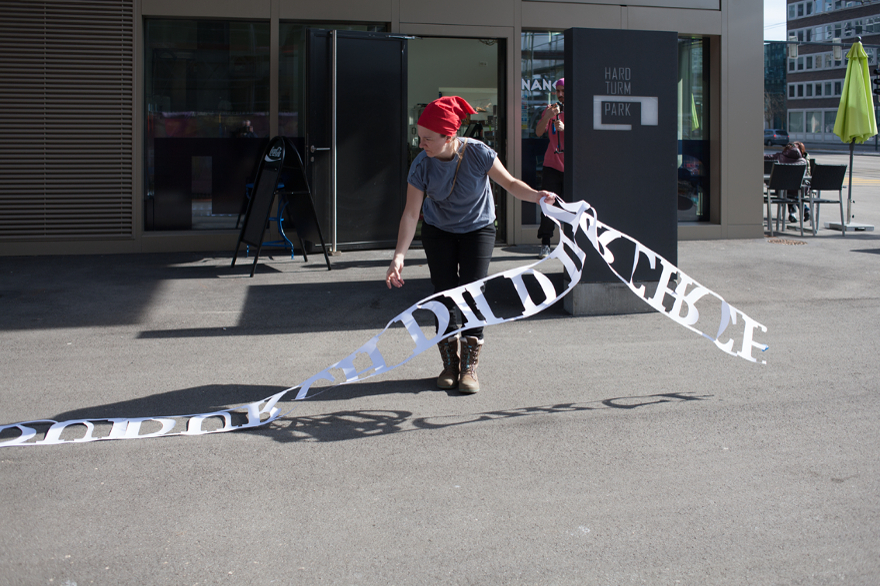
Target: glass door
(356, 121)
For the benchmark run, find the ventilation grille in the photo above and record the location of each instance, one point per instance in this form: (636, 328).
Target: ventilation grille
(66, 119)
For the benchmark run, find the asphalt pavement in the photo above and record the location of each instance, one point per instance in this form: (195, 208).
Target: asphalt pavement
(601, 450)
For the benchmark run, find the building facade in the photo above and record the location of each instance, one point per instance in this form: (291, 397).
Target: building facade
(815, 77)
(132, 125)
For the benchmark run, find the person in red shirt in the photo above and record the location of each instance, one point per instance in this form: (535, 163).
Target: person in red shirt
(552, 177)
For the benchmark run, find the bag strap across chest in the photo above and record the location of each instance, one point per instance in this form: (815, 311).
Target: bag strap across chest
(457, 167)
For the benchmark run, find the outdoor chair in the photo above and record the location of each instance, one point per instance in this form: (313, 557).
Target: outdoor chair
(783, 179)
(825, 178)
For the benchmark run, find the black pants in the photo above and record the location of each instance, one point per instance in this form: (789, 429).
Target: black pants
(551, 180)
(457, 259)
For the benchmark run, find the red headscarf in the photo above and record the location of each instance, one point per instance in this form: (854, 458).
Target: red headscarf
(445, 115)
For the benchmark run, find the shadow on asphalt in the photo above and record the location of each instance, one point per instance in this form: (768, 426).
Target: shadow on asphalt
(336, 426)
(353, 425)
(348, 306)
(201, 399)
(82, 292)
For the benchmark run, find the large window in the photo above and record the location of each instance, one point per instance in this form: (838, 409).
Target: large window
(292, 72)
(207, 106)
(543, 55)
(795, 122)
(693, 129)
(207, 113)
(830, 118)
(814, 122)
(543, 63)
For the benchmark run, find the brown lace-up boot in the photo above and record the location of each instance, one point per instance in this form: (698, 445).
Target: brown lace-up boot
(470, 358)
(448, 379)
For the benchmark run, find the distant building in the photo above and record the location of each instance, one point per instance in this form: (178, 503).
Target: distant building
(815, 78)
(775, 91)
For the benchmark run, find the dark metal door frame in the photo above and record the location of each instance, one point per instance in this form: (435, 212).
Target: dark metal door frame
(375, 178)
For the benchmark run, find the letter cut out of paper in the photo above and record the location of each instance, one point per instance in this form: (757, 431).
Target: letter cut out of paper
(675, 294)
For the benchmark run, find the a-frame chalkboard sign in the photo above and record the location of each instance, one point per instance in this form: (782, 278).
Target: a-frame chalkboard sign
(280, 170)
(297, 201)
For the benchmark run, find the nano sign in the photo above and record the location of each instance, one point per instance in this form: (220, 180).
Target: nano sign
(537, 85)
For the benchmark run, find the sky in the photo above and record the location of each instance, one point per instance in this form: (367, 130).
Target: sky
(774, 20)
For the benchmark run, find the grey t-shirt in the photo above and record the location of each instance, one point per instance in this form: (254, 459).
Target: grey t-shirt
(470, 206)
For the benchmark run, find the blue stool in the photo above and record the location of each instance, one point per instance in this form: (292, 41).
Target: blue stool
(278, 219)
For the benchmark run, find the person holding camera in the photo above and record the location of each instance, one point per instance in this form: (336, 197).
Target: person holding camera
(246, 130)
(552, 122)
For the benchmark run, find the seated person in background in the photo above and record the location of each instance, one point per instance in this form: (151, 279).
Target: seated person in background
(803, 150)
(792, 155)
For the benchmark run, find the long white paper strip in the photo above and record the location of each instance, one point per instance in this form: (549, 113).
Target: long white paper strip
(684, 302)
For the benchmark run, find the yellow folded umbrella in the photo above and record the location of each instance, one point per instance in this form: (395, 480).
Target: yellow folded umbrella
(855, 115)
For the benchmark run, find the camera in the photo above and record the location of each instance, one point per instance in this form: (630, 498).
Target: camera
(558, 148)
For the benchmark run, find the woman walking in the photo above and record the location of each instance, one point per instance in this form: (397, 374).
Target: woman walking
(458, 231)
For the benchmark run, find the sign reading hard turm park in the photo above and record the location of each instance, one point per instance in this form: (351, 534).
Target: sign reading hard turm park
(621, 149)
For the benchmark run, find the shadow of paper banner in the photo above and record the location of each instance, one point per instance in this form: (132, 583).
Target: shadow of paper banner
(336, 426)
(201, 399)
(353, 425)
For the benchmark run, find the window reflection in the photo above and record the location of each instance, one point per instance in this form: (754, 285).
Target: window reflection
(693, 130)
(207, 105)
(543, 63)
(292, 71)
(543, 55)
